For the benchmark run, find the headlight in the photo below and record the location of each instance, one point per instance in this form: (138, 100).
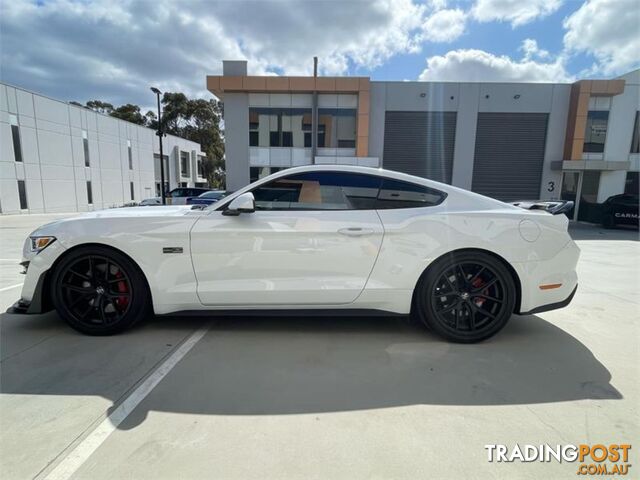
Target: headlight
(40, 243)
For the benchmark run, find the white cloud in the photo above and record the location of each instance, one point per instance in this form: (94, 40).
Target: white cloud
(609, 30)
(518, 12)
(115, 49)
(531, 49)
(480, 66)
(444, 25)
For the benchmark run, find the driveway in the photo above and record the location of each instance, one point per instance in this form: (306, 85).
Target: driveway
(327, 397)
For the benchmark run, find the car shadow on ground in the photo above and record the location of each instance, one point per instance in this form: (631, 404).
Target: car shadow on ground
(274, 366)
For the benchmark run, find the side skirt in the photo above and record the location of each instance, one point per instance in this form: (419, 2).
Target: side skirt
(329, 312)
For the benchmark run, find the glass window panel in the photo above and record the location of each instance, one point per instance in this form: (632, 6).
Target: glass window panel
(85, 147)
(336, 128)
(398, 194)
(184, 164)
(596, 131)
(278, 127)
(22, 194)
(89, 193)
(635, 142)
(319, 191)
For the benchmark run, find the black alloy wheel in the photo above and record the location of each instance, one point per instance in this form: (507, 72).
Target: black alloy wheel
(466, 297)
(99, 291)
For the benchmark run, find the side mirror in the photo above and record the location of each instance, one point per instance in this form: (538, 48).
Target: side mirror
(244, 203)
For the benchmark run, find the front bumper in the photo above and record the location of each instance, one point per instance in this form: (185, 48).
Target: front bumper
(39, 302)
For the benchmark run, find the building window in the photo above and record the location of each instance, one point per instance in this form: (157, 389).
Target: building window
(22, 193)
(200, 166)
(85, 145)
(15, 135)
(256, 173)
(306, 128)
(635, 142)
(130, 154)
(596, 131)
(279, 127)
(184, 164)
(336, 128)
(131, 190)
(89, 193)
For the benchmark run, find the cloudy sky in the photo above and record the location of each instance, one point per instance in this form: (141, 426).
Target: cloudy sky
(114, 49)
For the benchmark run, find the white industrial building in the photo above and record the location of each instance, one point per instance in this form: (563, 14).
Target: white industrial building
(58, 157)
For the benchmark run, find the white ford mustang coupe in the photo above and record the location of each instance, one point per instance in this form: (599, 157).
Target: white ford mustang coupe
(312, 239)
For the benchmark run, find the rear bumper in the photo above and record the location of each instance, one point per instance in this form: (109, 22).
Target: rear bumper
(552, 306)
(535, 275)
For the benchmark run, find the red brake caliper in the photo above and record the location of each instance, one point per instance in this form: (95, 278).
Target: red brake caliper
(477, 283)
(123, 301)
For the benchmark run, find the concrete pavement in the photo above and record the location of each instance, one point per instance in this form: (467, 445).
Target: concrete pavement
(326, 397)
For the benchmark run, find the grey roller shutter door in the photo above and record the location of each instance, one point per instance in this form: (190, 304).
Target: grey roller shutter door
(509, 155)
(420, 143)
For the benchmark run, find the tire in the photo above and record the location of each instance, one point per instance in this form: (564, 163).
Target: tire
(466, 297)
(99, 291)
(608, 221)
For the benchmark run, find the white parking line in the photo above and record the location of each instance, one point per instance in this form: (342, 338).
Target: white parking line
(74, 460)
(12, 286)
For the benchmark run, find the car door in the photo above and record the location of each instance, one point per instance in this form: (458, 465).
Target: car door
(311, 241)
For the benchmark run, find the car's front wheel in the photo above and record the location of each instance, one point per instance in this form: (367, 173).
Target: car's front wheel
(466, 297)
(99, 291)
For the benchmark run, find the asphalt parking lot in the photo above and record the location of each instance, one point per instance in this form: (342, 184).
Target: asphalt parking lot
(320, 397)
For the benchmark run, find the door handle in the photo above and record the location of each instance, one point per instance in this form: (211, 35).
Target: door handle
(355, 231)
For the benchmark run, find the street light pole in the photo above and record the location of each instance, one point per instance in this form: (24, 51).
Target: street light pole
(160, 134)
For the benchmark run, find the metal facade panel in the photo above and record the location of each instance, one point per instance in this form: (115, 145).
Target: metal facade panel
(420, 143)
(509, 155)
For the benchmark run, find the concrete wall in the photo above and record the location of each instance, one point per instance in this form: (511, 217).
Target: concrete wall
(53, 165)
(236, 125)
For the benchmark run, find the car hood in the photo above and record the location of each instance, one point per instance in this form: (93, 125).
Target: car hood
(155, 212)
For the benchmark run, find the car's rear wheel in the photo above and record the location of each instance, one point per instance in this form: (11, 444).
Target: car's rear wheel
(99, 291)
(466, 297)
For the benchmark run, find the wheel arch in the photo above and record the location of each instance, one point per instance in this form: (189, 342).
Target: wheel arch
(46, 286)
(514, 275)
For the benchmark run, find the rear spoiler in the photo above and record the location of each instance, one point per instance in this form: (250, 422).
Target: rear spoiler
(554, 207)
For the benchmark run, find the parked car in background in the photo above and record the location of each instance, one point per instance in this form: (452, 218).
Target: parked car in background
(620, 210)
(178, 196)
(207, 198)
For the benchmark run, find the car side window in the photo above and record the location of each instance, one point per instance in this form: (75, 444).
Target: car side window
(319, 191)
(178, 192)
(399, 194)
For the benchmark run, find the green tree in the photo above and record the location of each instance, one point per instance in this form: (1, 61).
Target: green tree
(130, 113)
(100, 106)
(198, 120)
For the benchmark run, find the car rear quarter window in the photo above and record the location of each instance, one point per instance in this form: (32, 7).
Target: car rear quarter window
(399, 194)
